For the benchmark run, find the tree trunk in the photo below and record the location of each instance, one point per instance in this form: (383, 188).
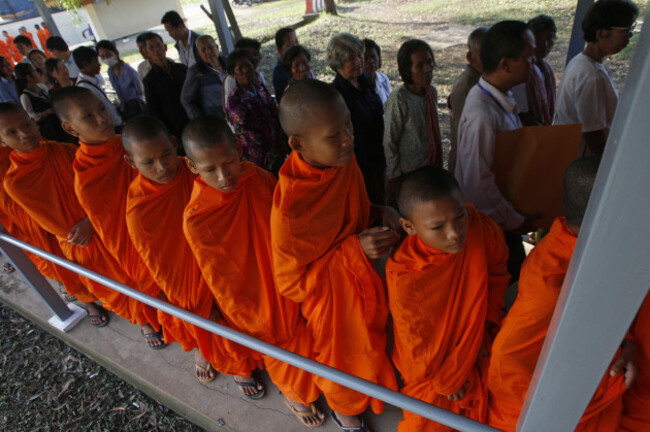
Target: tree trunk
(330, 7)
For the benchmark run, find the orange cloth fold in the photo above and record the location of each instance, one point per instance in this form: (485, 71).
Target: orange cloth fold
(21, 226)
(441, 303)
(154, 217)
(518, 345)
(101, 183)
(42, 183)
(230, 236)
(315, 221)
(636, 401)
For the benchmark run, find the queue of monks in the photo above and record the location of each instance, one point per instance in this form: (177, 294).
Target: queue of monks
(290, 259)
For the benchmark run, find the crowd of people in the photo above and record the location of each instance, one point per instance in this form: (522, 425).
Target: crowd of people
(266, 210)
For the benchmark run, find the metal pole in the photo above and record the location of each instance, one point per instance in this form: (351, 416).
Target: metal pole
(34, 278)
(234, 27)
(609, 275)
(366, 387)
(47, 17)
(577, 42)
(221, 25)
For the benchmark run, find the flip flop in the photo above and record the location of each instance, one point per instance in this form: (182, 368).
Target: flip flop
(300, 414)
(7, 268)
(207, 370)
(102, 314)
(158, 336)
(67, 297)
(361, 428)
(254, 384)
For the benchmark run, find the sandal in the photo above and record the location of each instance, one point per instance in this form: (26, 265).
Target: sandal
(207, 370)
(301, 414)
(361, 428)
(67, 297)
(157, 336)
(8, 268)
(254, 384)
(102, 315)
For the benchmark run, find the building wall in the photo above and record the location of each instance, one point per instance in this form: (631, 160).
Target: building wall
(120, 18)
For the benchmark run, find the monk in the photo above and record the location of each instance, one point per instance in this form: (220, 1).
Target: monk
(227, 225)
(101, 183)
(41, 181)
(519, 343)
(154, 215)
(21, 226)
(636, 401)
(446, 284)
(323, 246)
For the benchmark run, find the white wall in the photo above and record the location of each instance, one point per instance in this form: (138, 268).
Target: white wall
(121, 18)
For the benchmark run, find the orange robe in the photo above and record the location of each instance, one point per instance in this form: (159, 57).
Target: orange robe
(155, 221)
(21, 226)
(5, 51)
(14, 51)
(231, 238)
(42, 35)
(31, 38)
(441, 305)
(101, 183)
(315, 221)
(636, 401)
(42, 183)
(519, 343)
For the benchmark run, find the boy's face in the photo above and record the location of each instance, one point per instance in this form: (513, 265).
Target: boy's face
(218, 165)
(22, 48)
(89, 120)
(91, 67)
(155, 158)
(329, 141)
(19, 132)
(290, 39)
(441, 224)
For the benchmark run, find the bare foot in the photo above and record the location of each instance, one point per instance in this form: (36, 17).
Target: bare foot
(204, 371)
(154, 339)
(249, 386)
(96, 314)
(347, 421)
(308, 415)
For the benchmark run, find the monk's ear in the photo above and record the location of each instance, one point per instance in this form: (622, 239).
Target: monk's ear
(191, 166)
(296, 143)
(407, 225)
(129, 160)
(69, 129)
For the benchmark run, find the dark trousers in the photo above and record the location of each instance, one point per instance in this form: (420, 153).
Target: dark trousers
(516, 255)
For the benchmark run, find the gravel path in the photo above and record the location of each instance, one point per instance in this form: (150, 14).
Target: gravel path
(47, 386)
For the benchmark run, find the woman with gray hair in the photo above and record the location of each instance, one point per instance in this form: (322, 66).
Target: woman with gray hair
(345, 57)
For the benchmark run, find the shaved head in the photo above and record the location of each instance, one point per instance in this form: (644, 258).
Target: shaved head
(205, 132)
(429, 183)
(298, 103)
(579, 179)
(61, 99)
(142, 128)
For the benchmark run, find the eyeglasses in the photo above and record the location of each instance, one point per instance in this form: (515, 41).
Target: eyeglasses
(629, 29)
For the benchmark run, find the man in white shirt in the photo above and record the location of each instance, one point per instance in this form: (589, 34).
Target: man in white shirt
(507, 57)
(185, 38)
(59, 49)
(587, 94)
(90, 78)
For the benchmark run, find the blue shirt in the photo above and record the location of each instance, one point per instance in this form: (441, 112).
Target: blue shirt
(127, 85)
(8, 91)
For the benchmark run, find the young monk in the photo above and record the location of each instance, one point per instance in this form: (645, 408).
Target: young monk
(636, 401)
(154, 215)
(101, 184)
(446, 284)
(227, 225)
(323, 246)
(519, 343)
(21, 226)
(41, 181)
